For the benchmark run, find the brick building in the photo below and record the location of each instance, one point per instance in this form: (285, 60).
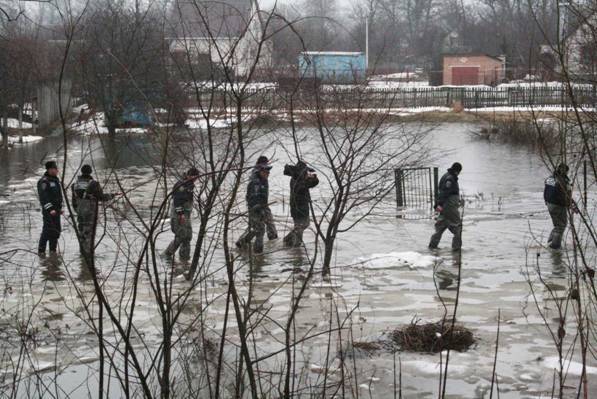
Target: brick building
(472, 69)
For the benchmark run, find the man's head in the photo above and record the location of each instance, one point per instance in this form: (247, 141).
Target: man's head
(262, 160)
(456, 168)
(562, 169)
(264, 170)
(192, 173)
(86, 170)
(52, 168)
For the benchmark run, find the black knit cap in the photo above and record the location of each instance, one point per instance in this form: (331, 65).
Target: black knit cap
(562, 168)
(51, 165)
(193, 172)
(456, 167)
(86, 170)
(262, 159)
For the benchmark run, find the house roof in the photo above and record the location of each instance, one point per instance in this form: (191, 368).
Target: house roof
(577, 20)
(471, 54)
(218, 18)
(351, 53)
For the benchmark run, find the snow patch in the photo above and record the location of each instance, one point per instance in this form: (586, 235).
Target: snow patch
(201, 123)
(13, 123)
(433, 367)
(574, 368)
(23, 139)
(410, 259)
(533, 108)
(95, 124)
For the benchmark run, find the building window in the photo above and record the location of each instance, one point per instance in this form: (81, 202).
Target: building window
(588, 55)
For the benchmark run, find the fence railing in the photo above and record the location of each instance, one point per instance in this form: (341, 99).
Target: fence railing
(469, 97)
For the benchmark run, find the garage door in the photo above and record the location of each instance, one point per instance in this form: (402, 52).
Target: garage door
(465, 76)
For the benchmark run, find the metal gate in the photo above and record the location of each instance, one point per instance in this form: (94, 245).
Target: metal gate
(416, 190)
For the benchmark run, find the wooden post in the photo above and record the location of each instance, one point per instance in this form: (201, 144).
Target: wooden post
(5, 130)
(20, 124)
(435, 185)
(398, 181)
(33, 121)
(584, 172)
(431, 187)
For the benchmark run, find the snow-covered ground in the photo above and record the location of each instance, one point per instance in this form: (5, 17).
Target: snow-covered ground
(195, 122)
(222, 86)
(13, 123)
(23, 139)
(396, 84)
(95, 124)
(533, 108)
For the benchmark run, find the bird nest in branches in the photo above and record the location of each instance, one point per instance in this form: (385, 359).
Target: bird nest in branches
(433, 337)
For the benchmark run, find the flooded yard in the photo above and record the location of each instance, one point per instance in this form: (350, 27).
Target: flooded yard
(383, 277)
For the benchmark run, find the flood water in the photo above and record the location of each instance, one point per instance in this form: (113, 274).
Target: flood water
(505, 228)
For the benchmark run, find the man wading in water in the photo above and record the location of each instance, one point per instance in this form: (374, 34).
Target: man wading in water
(558, 198)
(257, 195)
(448, 201)
(86, 194)
(49, 192)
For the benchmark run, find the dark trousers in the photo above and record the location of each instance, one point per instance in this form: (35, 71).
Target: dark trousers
(448, 219)
(183, 233)
(559, 218)
(256, 229)
(50, 232)
(272, 232)
(295, 237)
(86, 223)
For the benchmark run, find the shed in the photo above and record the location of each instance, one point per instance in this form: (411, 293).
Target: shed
(472, 69)
(332, 66)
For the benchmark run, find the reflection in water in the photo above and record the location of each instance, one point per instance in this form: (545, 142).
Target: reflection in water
(445, 279)
(559, 267)
(85, 273)
(50, 268)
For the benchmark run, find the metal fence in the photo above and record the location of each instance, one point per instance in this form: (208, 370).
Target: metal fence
(469, 97)
(416, 191)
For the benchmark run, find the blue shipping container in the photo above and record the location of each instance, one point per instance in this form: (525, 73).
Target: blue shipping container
(332, 66)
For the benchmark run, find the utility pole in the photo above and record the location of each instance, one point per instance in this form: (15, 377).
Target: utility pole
(367, 43)
(563, 19)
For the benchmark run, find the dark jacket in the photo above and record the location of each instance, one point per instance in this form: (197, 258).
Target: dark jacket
(86, 188)
(257, 191)
(557, 190)
(300, 183)
(448, 186)
(182, 197)
(50, 193)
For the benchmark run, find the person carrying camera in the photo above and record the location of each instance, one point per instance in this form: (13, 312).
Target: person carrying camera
(302, 179)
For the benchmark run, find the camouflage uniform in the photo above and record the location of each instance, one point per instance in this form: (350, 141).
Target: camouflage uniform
(257, 196)
(270, 226)
(86, 194)
(557, 196)
(449, 217)
(182, 206)
(300, 183)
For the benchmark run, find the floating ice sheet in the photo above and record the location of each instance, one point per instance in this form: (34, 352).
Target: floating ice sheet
(570, 367)
(410, 259)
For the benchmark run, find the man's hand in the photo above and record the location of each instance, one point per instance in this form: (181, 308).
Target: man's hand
(439, 209)
(181, 219)
(53, 212)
